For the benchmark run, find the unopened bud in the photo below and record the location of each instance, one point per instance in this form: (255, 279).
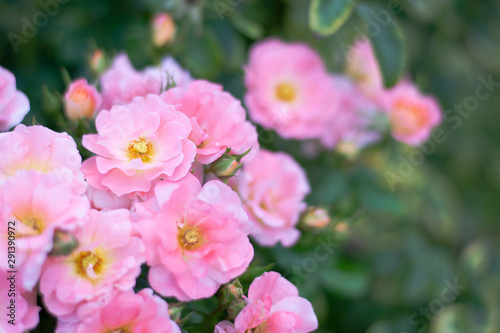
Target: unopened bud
(163, 29)
(81, 100)
(316, 218)
(347, 148)
(98, 62)
(230, 292)
(227, 165)
(341, 227)
(64, 243)
(235, 307)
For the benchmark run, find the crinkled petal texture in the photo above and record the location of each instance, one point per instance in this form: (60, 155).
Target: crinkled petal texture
(289, 94)
(273, 187)
(108, 259)
(39, 148)
(355, 117)
(136, 144)
(195, 237)
(122, 82)
(25, 315)
(412, 115)
(139, 313)
(219, 120)
(33, 204)
(273, 306)
(14, 105)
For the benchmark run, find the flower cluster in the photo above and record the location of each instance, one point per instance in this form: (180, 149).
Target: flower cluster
(178, 185)
(299, 99)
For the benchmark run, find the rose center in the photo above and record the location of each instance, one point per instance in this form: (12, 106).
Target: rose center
(259, 329)
(285, 92)
(34, 223)
(189, 238)
(89, 264)
(140, 148)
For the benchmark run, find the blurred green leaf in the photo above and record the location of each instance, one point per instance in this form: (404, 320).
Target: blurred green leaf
(246, 26)
(388, 45)
(327, 16)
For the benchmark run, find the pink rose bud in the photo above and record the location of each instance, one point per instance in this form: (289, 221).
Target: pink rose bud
(230, 292)
(163, 29)
(81, 100)
(64, 243)
(98, 62)
(316, 218)
(227, 165)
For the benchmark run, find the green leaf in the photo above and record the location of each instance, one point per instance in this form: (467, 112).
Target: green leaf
(327, 16)
(387, 42)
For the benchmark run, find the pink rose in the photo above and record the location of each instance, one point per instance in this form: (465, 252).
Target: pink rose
(272, 187)
(35, 204)
(130, 312)
(108, 259)
(136, 144)
(163, 26)
(218, 120)
(14, 105)
(39, 148)
(412, 115)
(362, 67)
(81, 100)
(273, 305)
(195, 237)
(355, 119)
(288, 89)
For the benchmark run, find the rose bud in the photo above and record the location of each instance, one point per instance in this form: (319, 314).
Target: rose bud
(81, 100)
(315, 218)
(64, 243)
(163, 29)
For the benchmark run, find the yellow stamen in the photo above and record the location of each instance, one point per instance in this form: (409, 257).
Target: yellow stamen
(285, 92)
(88, 259)
(140, 148)
(189, 238)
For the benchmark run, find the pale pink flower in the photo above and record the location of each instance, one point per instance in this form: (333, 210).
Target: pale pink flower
(272, 187)
(105, 199)
(137, 144)
(172, 72)
(288, 89)
(362, 67)
(108, 258)
(23, 313)
(122, 82)
(14, 105)
(355, 118)
(39, 148)
(130, 312)
(273, 306)
(163, 26)
(35, 204)
(412, 114)
(81, 100)
(218, 120)
(195, 237)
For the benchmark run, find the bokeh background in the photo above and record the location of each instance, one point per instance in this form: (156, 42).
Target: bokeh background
(423, 256)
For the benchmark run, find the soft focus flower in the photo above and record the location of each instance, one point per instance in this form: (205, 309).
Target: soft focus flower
(81, 100)
(412, 115)
(288, 89)
(108, 257)
(97, 61)
(272, 187)
(136, 144)
(273, 305)
(218, 120)
(362, 66)
(195, 237)
(105, 199)
(127, 312)
(355, 116)
(14, 105)
(39, 148)
(23, 314)
(172, 72)
(36, 204)
(163, 29)
(121, 82)
(315, 217)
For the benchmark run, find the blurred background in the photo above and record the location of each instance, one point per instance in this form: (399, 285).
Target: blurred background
(421, 254)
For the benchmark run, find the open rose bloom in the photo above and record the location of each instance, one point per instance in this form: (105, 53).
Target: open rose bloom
(273, 306)
(14, 105)
(195, 237)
